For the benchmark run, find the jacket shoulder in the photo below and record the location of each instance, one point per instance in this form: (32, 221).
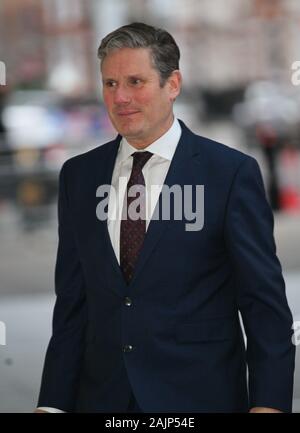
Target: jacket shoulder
(220, 152)
(214, 151)
(89, 158)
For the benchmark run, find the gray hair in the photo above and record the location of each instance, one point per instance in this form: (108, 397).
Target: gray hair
(164, 50)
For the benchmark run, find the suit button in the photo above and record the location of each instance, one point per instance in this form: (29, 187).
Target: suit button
(127, 348)
(128, 301)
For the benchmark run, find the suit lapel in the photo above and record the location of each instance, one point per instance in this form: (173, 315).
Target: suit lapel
(180, 173)
(104, 177)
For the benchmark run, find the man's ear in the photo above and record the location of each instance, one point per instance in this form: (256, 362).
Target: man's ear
(174, 83)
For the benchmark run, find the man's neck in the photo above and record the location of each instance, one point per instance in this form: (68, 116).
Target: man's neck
(139, 145)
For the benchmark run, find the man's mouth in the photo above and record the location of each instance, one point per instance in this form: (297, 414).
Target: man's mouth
(127, 113)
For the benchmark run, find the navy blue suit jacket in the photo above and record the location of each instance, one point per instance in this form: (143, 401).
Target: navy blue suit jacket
(177, 342)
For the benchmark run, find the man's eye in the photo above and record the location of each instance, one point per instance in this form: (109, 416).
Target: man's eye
(135, 81)
(110, 83)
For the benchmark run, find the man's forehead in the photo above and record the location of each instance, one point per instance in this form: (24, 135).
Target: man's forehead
(127, 68)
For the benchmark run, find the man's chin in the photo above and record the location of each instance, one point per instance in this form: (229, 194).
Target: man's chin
(129, 131)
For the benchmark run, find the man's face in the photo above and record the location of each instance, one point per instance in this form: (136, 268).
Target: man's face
(138, 107)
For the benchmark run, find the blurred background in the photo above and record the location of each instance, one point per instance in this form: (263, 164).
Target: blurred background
(236, 60)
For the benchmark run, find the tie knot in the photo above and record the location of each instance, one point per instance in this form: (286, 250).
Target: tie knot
(140, 159)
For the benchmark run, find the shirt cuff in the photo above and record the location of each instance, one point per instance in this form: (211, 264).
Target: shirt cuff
(51, 409)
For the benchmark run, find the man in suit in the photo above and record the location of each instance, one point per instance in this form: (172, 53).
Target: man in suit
(147, 311)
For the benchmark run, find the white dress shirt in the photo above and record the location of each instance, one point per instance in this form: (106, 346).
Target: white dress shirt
(154, 172)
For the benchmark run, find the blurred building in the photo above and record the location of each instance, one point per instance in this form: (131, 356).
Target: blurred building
(225, 44)
(22, 41)
(229, 43)
(47, 43)
(69, 54)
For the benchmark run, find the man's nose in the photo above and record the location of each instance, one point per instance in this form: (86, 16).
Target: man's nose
(122, 95)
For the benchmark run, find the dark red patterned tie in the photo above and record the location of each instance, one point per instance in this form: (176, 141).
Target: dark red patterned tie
(132, 232)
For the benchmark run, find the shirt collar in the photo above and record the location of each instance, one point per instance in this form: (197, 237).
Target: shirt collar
(164, 146)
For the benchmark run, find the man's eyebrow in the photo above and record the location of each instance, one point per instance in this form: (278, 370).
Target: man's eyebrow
(138, 75)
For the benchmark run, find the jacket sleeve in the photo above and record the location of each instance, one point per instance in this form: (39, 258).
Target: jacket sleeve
(64, 355)
(260, 290)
